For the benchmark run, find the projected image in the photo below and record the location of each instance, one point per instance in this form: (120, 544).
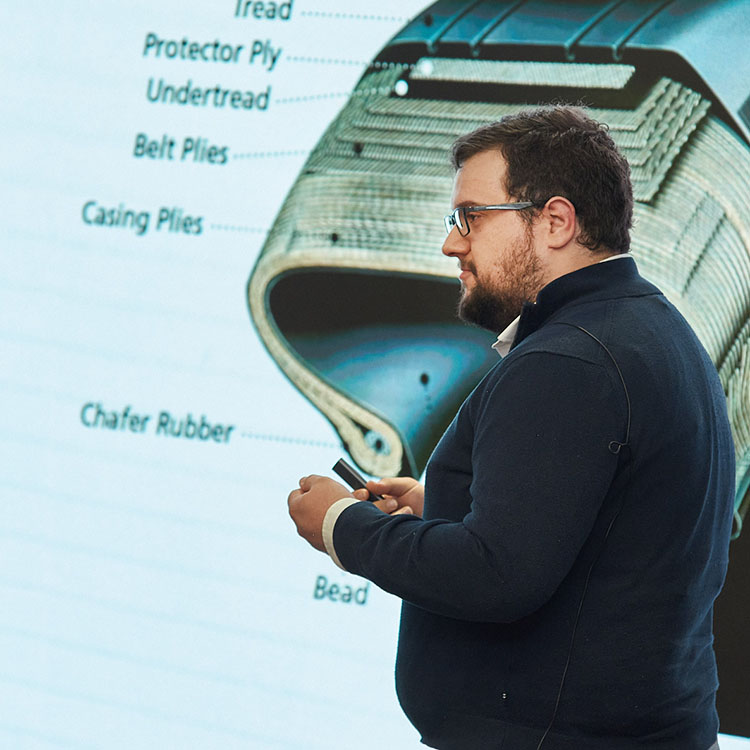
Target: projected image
(154, 592)
(351, 295)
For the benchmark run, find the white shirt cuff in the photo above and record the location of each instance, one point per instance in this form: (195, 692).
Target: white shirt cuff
(332, 515)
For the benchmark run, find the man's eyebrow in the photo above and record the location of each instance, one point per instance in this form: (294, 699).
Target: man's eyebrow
(462, 204)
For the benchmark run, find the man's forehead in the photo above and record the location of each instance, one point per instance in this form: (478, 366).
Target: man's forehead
(480, 179)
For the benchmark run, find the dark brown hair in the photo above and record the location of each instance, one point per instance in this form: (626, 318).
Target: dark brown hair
(559, 150)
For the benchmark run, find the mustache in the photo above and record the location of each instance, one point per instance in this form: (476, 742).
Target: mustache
(469, 266)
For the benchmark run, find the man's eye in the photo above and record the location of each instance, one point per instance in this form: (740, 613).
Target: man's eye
(470, 217)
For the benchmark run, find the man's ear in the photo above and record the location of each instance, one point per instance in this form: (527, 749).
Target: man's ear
(559, 222)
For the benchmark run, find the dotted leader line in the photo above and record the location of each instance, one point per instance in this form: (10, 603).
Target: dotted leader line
(384, 90)
(311, 97)
(272, 154)
(377, 65)
(324, 60)
(354, 16)
(293, 440)
(237, 228)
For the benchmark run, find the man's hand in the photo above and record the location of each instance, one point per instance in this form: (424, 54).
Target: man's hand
(309, 504)
(401, 495)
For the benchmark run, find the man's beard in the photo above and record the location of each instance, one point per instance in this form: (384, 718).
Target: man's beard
(494, 303)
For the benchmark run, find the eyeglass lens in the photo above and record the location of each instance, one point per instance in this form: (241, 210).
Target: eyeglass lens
(456, 219)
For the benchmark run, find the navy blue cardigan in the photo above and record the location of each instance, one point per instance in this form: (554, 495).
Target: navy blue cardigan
(520, 494)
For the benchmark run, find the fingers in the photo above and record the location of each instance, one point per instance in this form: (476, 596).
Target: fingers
(403, 511)
(387, 505)
(394, 486)
(307, 482)
(293, 495)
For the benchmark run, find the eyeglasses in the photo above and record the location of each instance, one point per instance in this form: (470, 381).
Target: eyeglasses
(460, 217)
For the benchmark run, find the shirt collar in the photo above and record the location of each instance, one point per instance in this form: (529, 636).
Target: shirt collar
(615, 257)
(505, 339)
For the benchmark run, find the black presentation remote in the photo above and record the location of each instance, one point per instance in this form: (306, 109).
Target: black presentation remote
(353, 478)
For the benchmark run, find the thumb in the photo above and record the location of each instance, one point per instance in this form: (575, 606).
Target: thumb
(379, 486)
(395, 486)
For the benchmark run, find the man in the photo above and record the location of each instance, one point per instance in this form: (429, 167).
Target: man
(559, 580)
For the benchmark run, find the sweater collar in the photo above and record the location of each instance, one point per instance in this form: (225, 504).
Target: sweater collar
(600, 281)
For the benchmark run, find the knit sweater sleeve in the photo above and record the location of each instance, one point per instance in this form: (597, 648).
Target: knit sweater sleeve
(535, 436)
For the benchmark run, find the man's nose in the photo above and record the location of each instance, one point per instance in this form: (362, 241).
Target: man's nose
(455, 245)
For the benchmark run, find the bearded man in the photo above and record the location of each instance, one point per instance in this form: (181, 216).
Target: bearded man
(559, 568)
